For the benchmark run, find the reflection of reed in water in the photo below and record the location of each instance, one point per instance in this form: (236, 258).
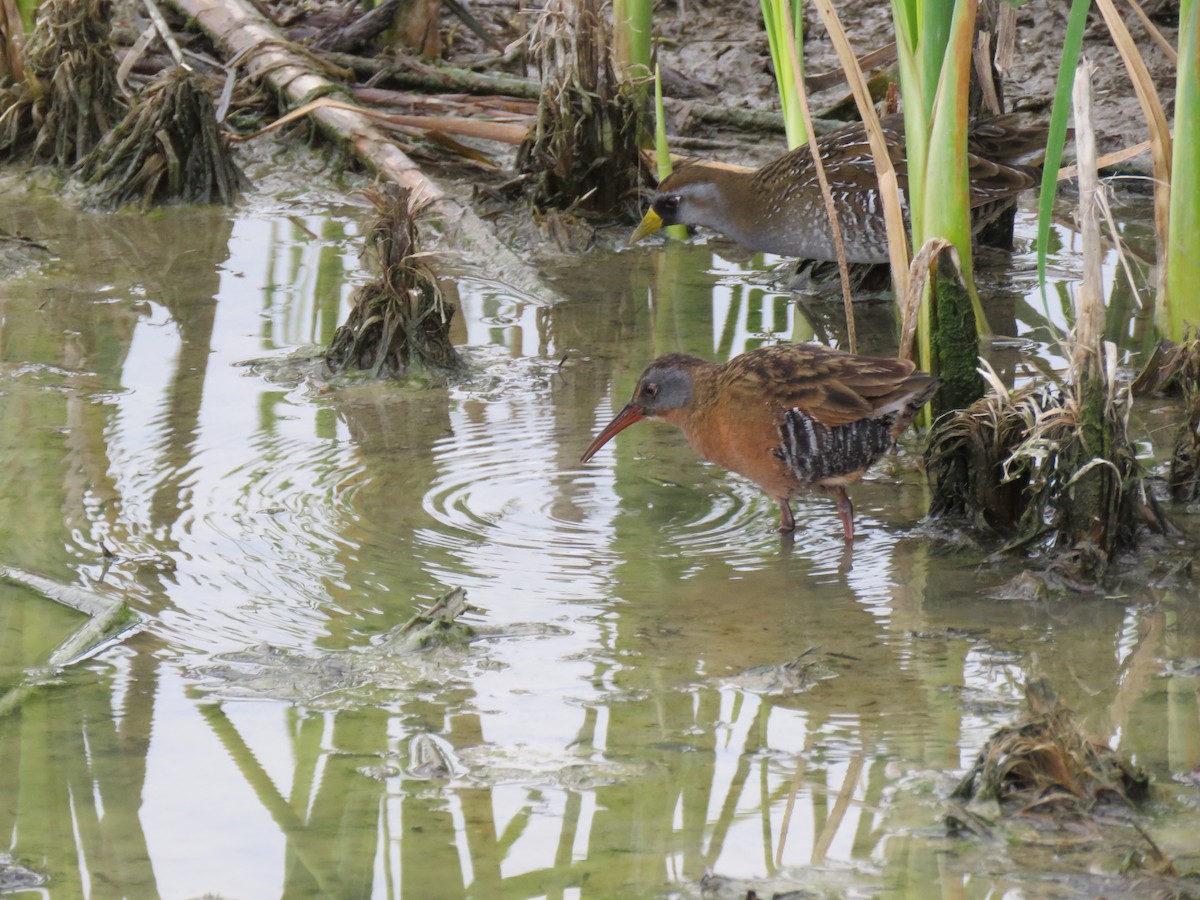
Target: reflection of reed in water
(76, 756)
(74, 774)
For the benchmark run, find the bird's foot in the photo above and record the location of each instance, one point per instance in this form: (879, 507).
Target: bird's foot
(787, 523)
(846, 510)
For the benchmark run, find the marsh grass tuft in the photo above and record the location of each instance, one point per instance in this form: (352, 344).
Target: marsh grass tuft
(399, 320)
(1043, 764)
(1042, 780)
(967, 459)
(583, 151)
(1012, 461)
(68, 99)
(1066, 449)
(167, 148)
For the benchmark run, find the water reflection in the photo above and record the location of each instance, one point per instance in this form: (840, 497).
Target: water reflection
(609, 755)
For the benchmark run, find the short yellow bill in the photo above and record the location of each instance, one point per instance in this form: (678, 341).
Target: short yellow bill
(650, 223)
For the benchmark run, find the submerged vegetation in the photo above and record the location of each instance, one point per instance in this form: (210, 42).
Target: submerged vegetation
(1042, 780)
(1044, 766)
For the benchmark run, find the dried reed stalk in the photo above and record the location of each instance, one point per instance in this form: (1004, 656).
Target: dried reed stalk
(583, 150)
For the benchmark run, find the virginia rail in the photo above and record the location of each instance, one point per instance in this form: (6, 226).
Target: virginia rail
(787, 416)
(779, 209)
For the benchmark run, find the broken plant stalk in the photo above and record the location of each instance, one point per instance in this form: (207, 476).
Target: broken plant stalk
(585, 141)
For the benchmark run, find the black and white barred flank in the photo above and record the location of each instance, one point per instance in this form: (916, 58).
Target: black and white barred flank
(814, 452)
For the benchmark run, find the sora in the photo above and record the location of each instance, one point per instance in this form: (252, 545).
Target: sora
(778, 208)
(788, 416)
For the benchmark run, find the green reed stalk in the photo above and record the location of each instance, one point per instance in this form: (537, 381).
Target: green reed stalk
(956, 315)
(777, 16)
(662, 153)
(1178, 306)
(916, 114)
(946, 199)
(922, 30)
(633, 30)
(934, 40)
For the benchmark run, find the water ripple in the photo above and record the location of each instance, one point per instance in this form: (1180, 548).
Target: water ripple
(259, 544)
(507, 494)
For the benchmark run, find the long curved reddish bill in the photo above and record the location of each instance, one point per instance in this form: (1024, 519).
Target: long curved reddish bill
(626, 417)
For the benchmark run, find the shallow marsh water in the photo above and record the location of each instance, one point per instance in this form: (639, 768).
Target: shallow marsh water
(254, 739)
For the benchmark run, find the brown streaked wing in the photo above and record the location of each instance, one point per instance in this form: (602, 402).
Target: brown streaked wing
(834, 388)
(846, 154)
(1006, 141)
(1003, 159)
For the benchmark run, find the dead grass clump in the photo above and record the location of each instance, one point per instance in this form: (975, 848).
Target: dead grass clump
(68, 99)
(401, 318)
(167, 148)
(967, 457)
(1042, 782)
(1043, 765)
(584, 150)
(1068, 448)
(1016, 461)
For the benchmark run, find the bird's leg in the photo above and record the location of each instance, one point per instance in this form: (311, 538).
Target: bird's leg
(846, 508)
(787, 523)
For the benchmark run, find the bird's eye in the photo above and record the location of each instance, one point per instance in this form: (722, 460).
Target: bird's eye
(669, 203)
(649, 390)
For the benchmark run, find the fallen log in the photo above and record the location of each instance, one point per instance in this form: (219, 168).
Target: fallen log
(501, 132)
(239, 31)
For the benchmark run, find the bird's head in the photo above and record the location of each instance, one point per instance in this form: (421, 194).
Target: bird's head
(665, 388)
(691, 195)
